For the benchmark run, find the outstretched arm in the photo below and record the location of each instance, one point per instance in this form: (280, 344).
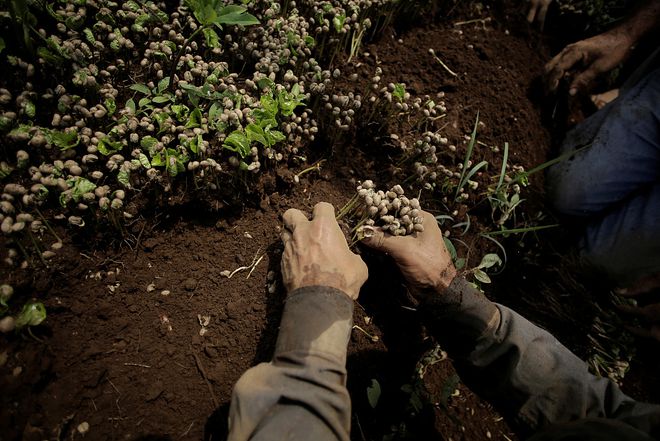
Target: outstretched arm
(535, 380)
(585, 60)
(301, 393)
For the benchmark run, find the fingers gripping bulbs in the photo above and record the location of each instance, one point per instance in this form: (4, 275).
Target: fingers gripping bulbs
(391, 210)
(316, 253)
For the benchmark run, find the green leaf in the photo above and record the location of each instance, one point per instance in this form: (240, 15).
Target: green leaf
(163, 84)
(180, 111)
(132, 6)
(111, 106)
(49, 56)
(212, 39)
(123, 177)
(32, 314)
(160, 99)
(450, 248)
(130, 104)
(214, 112)
(309, 41)
(490, 260)
(30, 109)
(288, 101)
(195, 119)
(89, 36)
(157, 160)
(144, 161)
(338, 22)
(460, 263)
(275, 136)
(5, 124)
(149, 143)
(195, 143)
(235, 15)
(269, 104)
(107, 146)
(373, 393)
(399, 91)
(140, 88)
(237, 142)
(21, 131)
(256, 133)
(74, 22)
(481, 276)
(2, 44)
(64, 140)
(80, 186)
(144, 102)
(204, 11)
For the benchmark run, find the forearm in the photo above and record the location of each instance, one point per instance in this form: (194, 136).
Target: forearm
(302, 393)
(644, 22)
(533, 379)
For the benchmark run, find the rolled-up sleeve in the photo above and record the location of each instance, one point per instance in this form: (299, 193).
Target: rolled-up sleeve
(301, 393)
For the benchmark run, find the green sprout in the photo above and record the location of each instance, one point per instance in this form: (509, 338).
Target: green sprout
(32, 314)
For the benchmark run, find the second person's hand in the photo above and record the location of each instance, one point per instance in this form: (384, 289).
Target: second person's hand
(587, 59)
(422, 257)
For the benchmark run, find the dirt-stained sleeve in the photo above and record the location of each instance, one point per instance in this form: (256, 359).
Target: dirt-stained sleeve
(301, 393)
(533, 379)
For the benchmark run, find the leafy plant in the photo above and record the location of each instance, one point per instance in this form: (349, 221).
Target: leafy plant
(263, 129)
(210, 14)
(157, 95)
(488, 261)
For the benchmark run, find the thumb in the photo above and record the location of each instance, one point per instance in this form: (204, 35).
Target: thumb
(376, 238)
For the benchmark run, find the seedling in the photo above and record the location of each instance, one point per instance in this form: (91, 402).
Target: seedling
(451, 72)
(488, 261)
(373, 338)
(465, 174)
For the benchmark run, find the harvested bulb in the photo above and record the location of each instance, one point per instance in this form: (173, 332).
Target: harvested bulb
(391, 210)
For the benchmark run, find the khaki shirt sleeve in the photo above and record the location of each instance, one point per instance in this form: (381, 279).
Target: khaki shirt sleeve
(301, 393)
(531, 377)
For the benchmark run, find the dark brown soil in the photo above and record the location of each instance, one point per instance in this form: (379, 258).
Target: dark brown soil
(122, 350)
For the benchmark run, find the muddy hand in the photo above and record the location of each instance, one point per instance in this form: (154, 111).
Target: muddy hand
(538, 9)
(585, 60)
(316, 253)
(422, 257)
(649, 315)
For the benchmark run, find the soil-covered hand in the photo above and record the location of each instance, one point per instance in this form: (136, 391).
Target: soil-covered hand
(316, 253)
(649, 314)
(537, 11)
(422, 257)
(585, 60)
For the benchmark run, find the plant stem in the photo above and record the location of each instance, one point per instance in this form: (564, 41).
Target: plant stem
(316, 166)
(48, 225)
(346, 208)
(183, 48)
(520, 230)
(34, 242)
(451, 72)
